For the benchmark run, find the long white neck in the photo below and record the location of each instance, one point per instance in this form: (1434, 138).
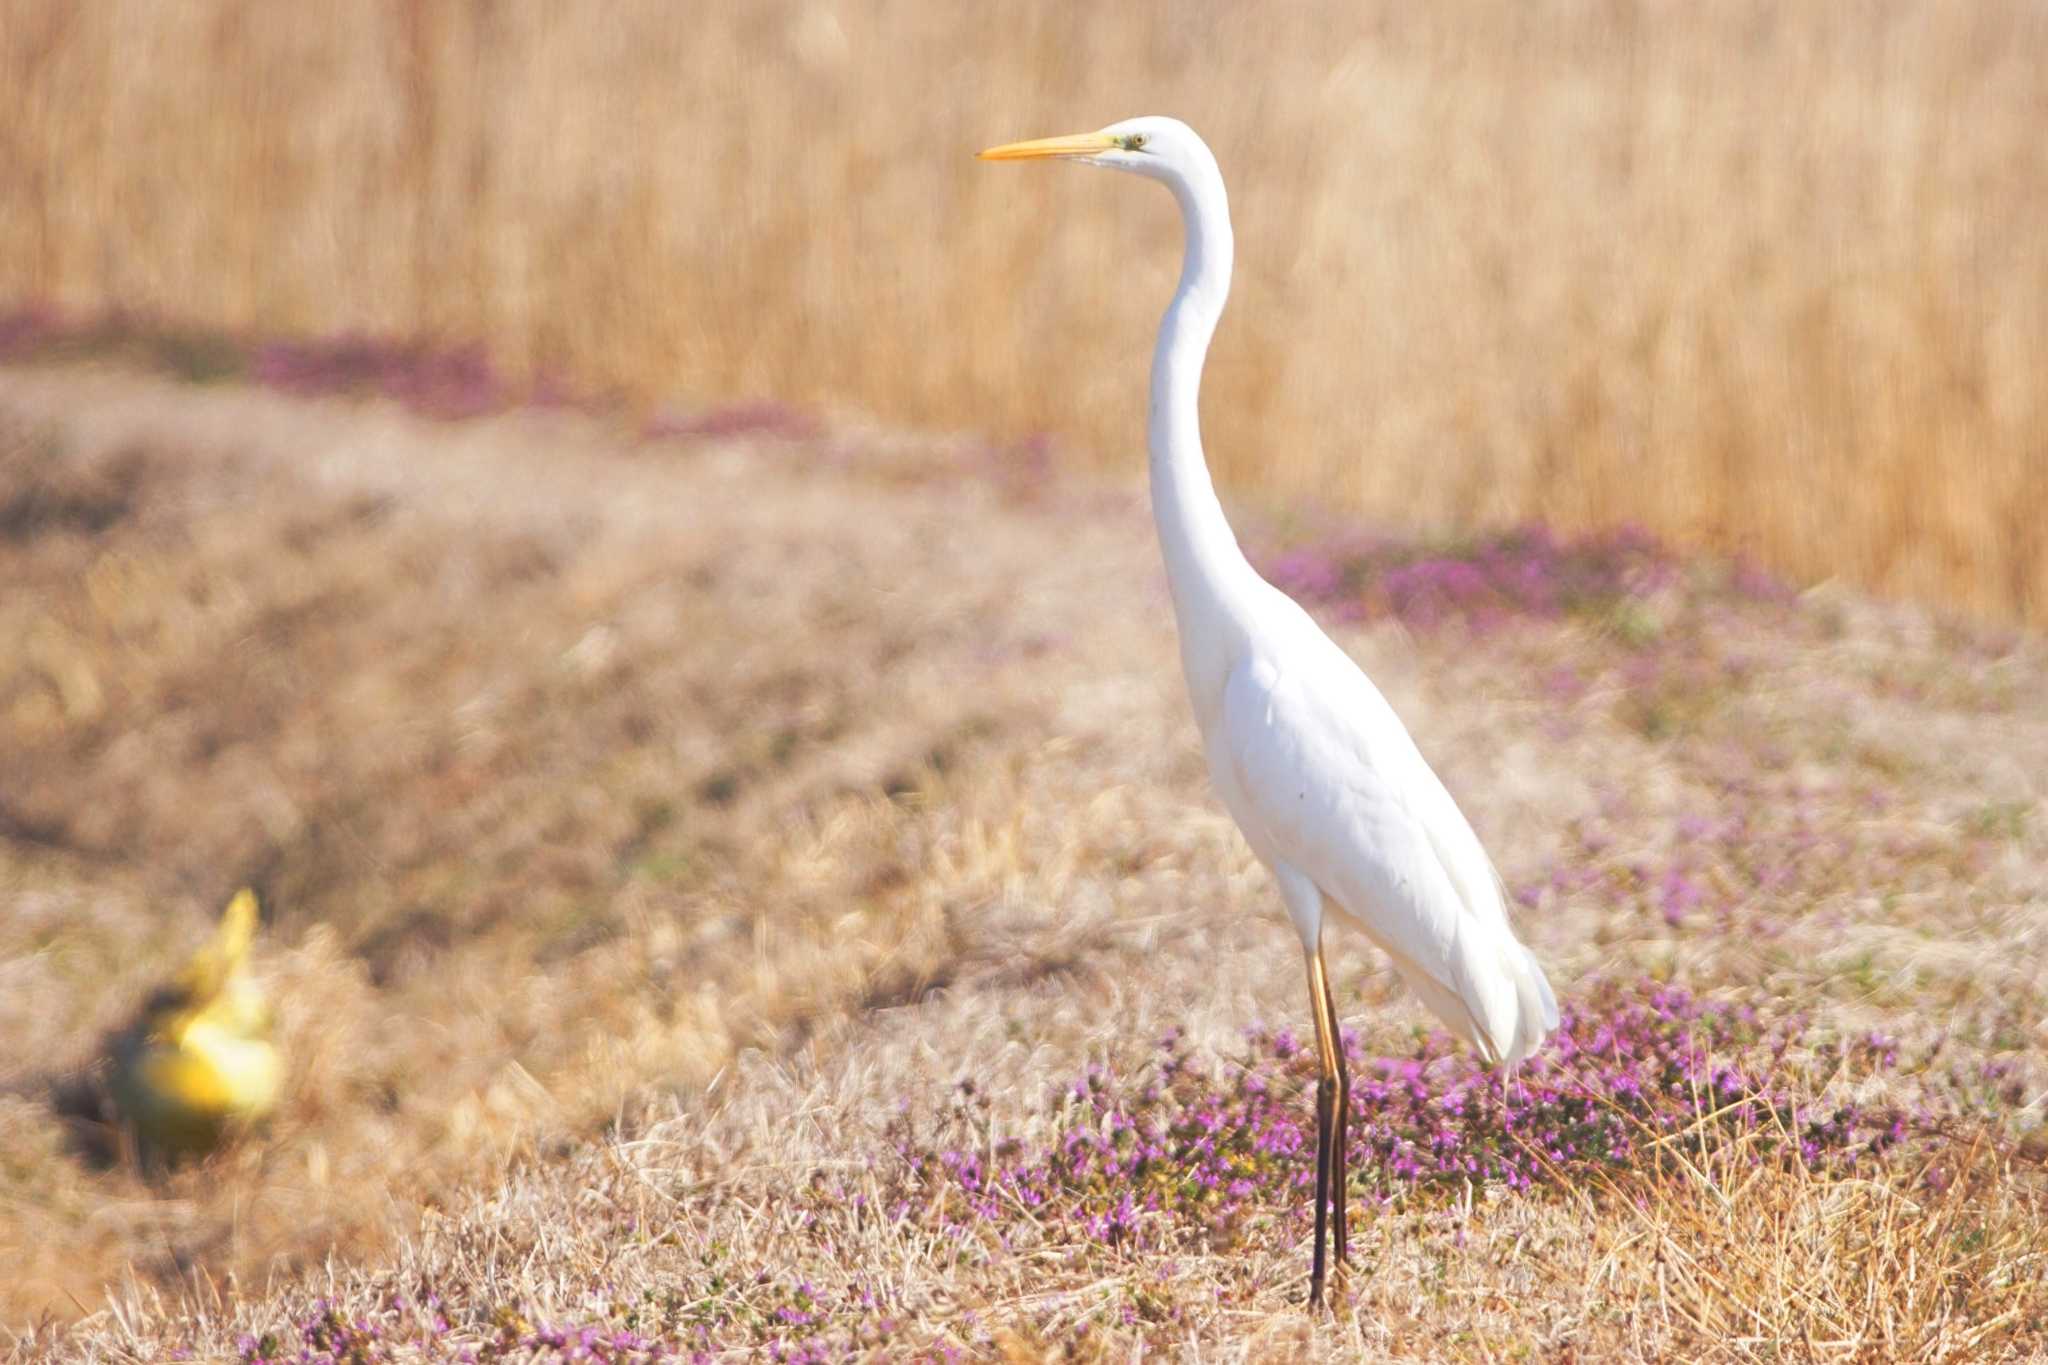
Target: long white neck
(1207, 572)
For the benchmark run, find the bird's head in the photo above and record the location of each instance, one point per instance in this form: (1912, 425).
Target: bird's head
(1155, 147)
(226, 957)
(214, 988)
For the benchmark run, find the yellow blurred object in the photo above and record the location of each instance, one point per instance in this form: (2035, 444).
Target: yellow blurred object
(199, 1056)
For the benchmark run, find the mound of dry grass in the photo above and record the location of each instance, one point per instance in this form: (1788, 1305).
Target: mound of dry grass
(701, 867)
(821, 1209)
(1762, 277)
(562, 764)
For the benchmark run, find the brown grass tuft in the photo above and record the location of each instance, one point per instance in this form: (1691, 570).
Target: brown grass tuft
(1745, 1262)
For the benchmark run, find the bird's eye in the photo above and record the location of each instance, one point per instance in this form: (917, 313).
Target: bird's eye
(1132, 142)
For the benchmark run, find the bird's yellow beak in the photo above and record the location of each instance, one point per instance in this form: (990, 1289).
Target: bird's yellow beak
(1073, 144)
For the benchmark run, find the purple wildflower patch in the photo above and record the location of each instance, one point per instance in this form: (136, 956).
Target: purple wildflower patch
(796, 1324)
(449, 384)
(1758, 852)
(30, 329)
(446, 382)
(421, 1331)
(781, 421)
(1632, 1081)
(1178, 1154)
(1528, 571)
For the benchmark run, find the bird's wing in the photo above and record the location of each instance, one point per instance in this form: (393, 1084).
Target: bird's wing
(1337, 790)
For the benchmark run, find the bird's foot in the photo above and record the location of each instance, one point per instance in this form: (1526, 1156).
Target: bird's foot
(1327, 1295)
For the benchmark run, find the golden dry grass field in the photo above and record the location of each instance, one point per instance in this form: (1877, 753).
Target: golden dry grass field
(761, 892)
(1756, 276)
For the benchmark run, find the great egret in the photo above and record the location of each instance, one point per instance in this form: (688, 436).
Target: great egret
(199, 1057)
(1318, 771)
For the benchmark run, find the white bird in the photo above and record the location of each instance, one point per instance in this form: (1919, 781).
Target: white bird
(1312, 762)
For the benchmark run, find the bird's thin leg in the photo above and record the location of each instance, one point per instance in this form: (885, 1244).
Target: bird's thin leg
(1340, 1225)
(1326, 1106)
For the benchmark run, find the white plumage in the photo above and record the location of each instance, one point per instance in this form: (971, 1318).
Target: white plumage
(1333, 795)
(1326, 783)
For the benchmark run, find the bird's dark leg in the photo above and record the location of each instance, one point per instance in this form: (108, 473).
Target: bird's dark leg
(1328, 1124)
(1340, 1224)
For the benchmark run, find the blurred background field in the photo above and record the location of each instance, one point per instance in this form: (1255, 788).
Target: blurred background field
(1763, 278)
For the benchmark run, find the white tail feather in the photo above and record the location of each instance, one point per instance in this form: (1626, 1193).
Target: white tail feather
(1501, 1003)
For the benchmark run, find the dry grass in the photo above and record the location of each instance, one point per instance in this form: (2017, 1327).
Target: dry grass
(507, 729)
(711, 1220)
(1757, 276)
(647, 826)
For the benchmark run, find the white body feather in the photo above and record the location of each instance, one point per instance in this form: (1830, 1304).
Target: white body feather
(1328, 787)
